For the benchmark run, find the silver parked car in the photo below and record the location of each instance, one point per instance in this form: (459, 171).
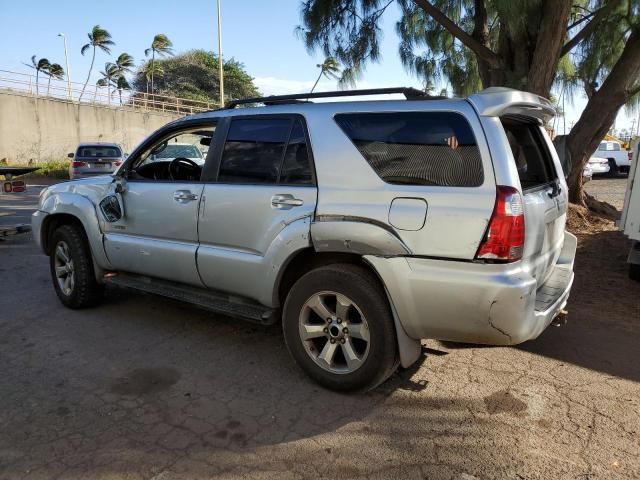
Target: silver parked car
(363, 226)
(92, 159)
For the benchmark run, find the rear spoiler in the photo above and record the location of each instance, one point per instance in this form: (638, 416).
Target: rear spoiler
(499, 101)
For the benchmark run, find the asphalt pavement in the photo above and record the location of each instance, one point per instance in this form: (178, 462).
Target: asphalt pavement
(143, 387)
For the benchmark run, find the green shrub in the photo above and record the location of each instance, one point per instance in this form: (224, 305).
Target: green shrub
(52, 169)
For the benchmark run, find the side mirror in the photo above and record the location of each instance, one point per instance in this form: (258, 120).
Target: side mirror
(110, 208)
(70, 155)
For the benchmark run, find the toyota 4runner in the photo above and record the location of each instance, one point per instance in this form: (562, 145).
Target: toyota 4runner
(364, 226)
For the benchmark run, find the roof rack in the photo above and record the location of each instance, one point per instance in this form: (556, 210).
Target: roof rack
(409, 93)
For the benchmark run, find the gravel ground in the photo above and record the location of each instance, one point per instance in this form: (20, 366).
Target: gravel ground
(142, 387)
(610, 190)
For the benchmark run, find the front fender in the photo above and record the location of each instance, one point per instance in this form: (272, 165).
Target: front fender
(85, 211)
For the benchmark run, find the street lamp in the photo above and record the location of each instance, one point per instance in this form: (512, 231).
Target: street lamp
(220, 70)
(66, 59)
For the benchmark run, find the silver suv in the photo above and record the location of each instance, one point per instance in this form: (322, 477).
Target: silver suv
(364, 226)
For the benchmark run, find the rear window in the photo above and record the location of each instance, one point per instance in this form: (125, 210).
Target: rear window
(417, 148)
(530, 152)
(99, 152)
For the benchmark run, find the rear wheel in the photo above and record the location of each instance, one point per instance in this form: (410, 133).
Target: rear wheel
(613, 168)
(338, 327)
(72, 268)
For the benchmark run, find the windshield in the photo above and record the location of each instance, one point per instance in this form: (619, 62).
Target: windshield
(99, 152)
(177, 151)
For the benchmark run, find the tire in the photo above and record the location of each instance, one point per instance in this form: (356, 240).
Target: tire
(366, 335)
(71, 268)
(634, 272)
(613, 168)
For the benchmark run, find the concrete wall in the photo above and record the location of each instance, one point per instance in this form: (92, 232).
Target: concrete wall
(35, 129)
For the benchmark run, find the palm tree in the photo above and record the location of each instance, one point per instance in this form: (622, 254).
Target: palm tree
(40, 66)
(151, 69)
(122, 84)
(160, 45)
(100, 83)
(98, 38)
(329, 69)
(110, 73)
(124, 63)
(56, 71)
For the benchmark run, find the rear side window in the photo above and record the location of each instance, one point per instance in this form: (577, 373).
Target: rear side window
(417, 148)
(265, 151)
(99, 152)
(533, 161)
(296, 167)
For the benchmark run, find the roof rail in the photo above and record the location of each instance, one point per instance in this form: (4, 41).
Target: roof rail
(409, 93)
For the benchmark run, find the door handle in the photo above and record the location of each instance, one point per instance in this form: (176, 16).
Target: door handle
(184, 196)
(285, 201)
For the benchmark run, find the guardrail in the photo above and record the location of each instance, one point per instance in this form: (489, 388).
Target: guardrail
(52, 88)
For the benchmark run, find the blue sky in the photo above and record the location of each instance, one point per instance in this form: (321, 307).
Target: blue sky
(259, 33)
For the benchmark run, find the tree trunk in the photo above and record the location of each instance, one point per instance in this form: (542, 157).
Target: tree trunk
(93, 58)
(600, 113)
(153, 66)
(317, 80)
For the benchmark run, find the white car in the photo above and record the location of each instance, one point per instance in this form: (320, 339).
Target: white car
(599, 165)
(618, 158)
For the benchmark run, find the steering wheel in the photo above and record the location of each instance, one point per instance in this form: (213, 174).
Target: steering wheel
(187, 164)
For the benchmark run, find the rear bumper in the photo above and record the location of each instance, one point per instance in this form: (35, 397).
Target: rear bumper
(597, 168)
(473, 302)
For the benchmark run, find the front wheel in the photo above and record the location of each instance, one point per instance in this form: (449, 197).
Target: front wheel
(338, 327)
(72, 268)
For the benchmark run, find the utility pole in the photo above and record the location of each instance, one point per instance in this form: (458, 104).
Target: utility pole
(66, 59)
(220, 69)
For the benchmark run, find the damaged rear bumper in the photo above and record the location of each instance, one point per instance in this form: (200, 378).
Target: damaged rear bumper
(473, 302)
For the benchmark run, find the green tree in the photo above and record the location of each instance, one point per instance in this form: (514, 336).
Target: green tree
(330, 68)
(40, 65)
(523, 44)
(56, 71)
(194, 75)
(124, 63)
(149, 69)
(161, 45)
(122, 84)
(109, 76)
(98, 38)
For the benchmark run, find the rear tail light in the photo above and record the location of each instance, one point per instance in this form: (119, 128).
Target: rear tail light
(78, 164)
(630, 155)
(504, 240)
(14, 186)
(117, 163)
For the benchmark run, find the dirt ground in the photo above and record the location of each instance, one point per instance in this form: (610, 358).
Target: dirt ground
(147, 388)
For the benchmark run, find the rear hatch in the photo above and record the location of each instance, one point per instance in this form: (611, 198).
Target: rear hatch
(545, 201)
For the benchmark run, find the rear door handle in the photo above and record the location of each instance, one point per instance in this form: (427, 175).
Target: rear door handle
(184, 196)
(285, 201)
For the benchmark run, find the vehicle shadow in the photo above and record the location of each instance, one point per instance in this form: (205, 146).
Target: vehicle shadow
(603, 328)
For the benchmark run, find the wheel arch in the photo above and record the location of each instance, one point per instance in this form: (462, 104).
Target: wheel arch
(305, 260)
(66, 208)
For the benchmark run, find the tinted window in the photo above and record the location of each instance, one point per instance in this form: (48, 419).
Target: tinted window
(296, 167)
(99, 152)
(530, 153)
(417, 148)
(253, 150)
(602, 146)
